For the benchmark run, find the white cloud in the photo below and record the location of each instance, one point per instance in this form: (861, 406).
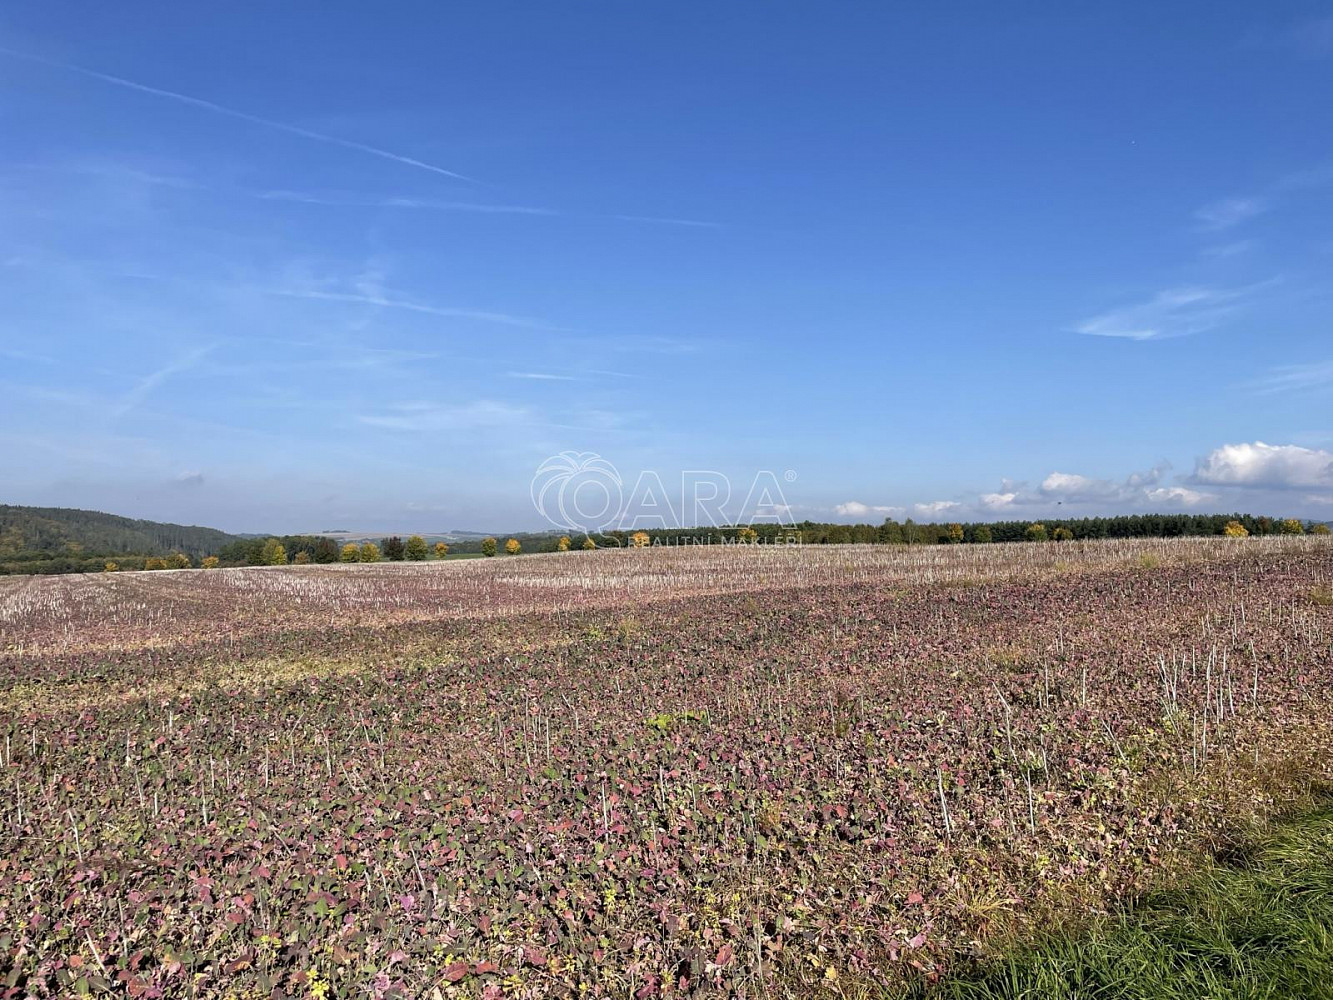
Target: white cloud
(1071, 486)
(1175, 312)
(854, 508)
(997, 501)
(1178, 494)
(935, 508)
(1266, 466)
(1257, 477)
(1070, 490)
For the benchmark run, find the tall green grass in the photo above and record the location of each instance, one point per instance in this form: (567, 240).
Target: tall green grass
(1258, 923)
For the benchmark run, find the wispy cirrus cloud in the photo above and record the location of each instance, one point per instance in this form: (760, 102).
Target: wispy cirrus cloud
(1173, 312)
(391, 201)
(220, 109)
(371, 297)
(142, 388)
(428, 416)
(1293, 378)
(1230, 212)
(1232, 249)
(631, 343)
(1312, 37)
(1227, 213)
(661, 221)
(436, 205)
(29, 357)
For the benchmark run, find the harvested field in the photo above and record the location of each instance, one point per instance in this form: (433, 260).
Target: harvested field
(752, 771)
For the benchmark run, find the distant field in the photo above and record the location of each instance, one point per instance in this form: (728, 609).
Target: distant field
(758, 771)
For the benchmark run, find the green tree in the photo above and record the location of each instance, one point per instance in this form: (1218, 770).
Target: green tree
(488, 546)
(393, 548)
(1320, 529)
(981, 534)
(178, 560)
(301, 558)
(1036, 533)
(588, 543)
(415, 549)
(890, 532)
(273, 553)
(441, 550)
(1291, 526)
(326, 551)
(512, 547)
(368, 553)
(350, 553)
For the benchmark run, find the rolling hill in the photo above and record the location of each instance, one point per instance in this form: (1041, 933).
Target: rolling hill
(35, 532)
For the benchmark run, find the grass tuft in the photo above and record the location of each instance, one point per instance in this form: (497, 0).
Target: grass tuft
(1258, 923)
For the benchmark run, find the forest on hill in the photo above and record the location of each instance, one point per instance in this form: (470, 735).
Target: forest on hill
(66, 540)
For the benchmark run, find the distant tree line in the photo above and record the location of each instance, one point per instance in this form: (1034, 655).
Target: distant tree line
(301, 549)
(281, 550)
(253, 552)
(909, 532)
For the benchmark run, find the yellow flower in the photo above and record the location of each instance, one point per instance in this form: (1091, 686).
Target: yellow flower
(319, 988)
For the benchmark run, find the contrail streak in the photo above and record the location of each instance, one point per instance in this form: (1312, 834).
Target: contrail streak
(219, 109)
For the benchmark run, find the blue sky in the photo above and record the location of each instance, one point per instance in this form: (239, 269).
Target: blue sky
(310, 266)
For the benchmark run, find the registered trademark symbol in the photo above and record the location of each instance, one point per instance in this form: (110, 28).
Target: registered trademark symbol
(790, 475)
